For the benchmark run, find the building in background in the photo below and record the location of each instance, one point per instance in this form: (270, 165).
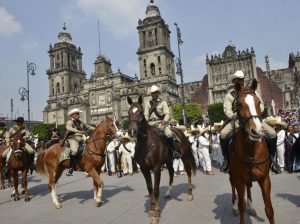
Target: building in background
(105, 92)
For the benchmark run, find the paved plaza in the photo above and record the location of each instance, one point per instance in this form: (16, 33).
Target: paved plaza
(126, 201)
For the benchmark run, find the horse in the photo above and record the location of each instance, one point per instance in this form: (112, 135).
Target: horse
(19, 161)
(3, 147)
(91, 161)
(249, 157)
(151, 153)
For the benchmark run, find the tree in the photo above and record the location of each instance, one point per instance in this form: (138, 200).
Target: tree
(44, 130)
(193, 112)
(216, 112)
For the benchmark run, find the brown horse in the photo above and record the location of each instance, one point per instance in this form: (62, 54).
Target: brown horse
(151, 153)
(3, 147)
(19, 161)
(249, 158)
(92, 160)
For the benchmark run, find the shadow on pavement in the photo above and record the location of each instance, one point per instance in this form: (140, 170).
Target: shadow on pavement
(224, 212)
(295, 199)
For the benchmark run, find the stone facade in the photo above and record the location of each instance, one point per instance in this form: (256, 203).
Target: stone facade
(105, 92)
(220, 67)
(190, 90)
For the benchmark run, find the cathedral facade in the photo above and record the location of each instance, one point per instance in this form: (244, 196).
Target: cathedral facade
(105, 92)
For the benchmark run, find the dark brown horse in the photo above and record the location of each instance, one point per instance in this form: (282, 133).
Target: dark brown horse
(92, 160)
(151, 153)
(19, 161)
(249, 159)
(3, 147)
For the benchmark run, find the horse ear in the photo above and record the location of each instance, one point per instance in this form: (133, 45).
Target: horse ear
(140, 100)
(254, 84)
(237, 86)
(129, 100)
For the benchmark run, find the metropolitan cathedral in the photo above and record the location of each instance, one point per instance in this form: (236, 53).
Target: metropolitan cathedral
(105, 92)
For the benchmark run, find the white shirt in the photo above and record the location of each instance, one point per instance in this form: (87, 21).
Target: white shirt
(280, 137)
(130, 146)
(111, 147)
(203, 142)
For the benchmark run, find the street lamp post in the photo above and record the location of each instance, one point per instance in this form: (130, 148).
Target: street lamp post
(31, 67)
(180, 72)
(270, 80)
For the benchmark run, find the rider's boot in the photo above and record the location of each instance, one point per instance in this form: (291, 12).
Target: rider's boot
(72, 165)
(272, 148)
(31, 163)
(171, 147)
(225, 151)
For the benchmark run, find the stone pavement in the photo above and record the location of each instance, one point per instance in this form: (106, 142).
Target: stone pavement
(126, 201)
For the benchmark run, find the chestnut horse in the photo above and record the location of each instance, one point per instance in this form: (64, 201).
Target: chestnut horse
(92, 160)
(151, 153)
(249, 158)
(2, 169)
(19, 161)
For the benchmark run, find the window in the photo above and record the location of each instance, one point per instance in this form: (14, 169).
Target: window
(152, 68)
(158, 60)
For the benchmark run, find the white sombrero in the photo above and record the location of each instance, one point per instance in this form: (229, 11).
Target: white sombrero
(74, 111)
(270, 120)
(193, 130)
(239, 74)
(154, 89)
(280, 122)
(216, 124)
(202, 129)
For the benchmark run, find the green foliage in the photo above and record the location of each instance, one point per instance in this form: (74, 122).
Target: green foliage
(193, 112)
(44, 130)
(216, 112)
(125, 124)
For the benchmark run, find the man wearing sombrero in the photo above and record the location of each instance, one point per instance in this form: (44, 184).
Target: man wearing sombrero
(157, 113)
(230, 110)
(76, 130)
(18, 127)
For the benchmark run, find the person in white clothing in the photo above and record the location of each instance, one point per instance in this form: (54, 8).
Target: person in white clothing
(216, 147)
(127, 150)
(111, 163)
(204, 143)
(279, 128)
(193, 139)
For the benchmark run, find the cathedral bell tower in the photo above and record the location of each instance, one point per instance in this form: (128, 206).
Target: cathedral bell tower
(154, 53)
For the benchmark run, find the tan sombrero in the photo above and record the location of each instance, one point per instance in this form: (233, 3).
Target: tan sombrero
(126, 136)
(270, 120)
(280, 122)
(216, 124)
(193, 130)
(202, 129)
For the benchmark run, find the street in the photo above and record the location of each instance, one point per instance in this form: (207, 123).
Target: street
(126, 201)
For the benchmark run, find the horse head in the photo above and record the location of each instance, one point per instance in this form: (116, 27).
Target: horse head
(110, 125)
(248, 110)
(18, 144)
(135, 115)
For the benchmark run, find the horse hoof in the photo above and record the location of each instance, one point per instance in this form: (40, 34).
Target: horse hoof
(27, 199)
(190, 197)
(58, 206)
(154, 220)
(12, 195)
(99, 203)
(252, 212)
(236, 212)
(2, 188)
(16, 199)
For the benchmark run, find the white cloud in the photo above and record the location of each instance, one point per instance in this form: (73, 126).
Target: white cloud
(8, 23)
(30, 45)
(120, 17)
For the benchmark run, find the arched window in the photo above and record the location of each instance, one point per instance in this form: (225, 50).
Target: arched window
(152, 68)
(58, 87)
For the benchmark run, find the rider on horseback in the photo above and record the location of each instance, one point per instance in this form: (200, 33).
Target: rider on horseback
(76, 131)
(2, 137)
(230, 111)
(158, 115)
(18, 127)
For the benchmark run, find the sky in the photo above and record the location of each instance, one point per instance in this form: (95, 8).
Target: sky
(28, 27)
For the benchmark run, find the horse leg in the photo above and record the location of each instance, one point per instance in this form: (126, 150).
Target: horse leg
(265, 186)
(52, 187)
(157, 176)
(2, 184)
(171, 175)
(15, 192)
(147, 176)
(188, 170)
(240, 187)
(249, 206)
(235, 208)
(24, 185)
(98, 186)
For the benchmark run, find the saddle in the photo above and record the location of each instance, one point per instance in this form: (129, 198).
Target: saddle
(66, 152)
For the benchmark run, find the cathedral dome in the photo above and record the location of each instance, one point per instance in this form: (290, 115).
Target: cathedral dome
(152, 10)
(64, 36)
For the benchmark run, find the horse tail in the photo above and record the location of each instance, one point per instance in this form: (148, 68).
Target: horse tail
(191, 159)
(40, 164)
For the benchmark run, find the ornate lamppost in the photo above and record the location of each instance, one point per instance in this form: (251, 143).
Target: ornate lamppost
(180, 72)
(31, 68)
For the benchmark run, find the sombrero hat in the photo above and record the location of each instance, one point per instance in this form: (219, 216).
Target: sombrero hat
(126, 136)
(239, 74)
(193, 130)
(180, 127)
(74, 111)
(202, 129)
(280, 122)
(270, 120)
(216, 124)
